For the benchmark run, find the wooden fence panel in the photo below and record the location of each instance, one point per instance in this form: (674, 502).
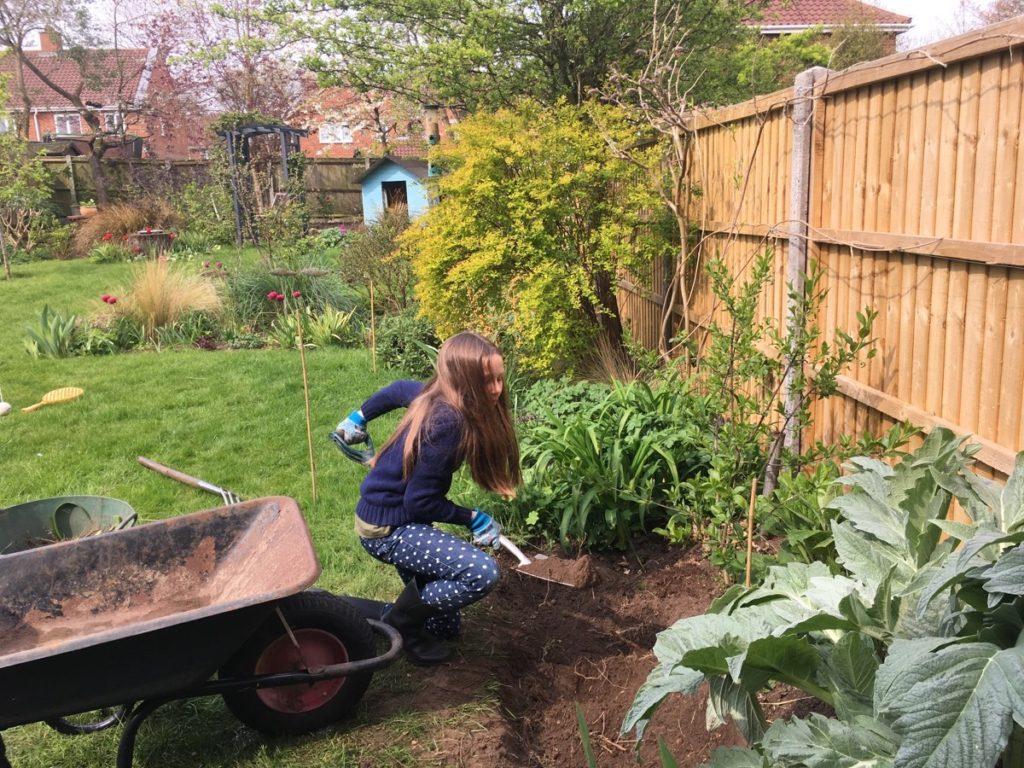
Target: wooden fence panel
(916, 210)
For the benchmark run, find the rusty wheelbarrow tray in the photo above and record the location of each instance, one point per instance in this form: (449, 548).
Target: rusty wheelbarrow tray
(150, 614)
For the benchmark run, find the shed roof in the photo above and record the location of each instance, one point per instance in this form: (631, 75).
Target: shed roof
(418, 167)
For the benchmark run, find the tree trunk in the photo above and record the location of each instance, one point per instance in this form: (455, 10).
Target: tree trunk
(606, 314)
(3, 253)
(99, 174)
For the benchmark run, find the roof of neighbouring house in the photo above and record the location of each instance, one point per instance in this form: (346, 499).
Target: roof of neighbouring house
(111, 77)
(809, 13)
(414, 165)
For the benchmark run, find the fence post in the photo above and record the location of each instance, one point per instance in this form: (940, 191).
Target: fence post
(796, 250)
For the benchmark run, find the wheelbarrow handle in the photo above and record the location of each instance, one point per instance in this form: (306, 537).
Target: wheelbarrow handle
(181, 477)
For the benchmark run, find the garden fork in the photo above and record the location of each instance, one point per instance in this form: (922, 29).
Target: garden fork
(229, 497)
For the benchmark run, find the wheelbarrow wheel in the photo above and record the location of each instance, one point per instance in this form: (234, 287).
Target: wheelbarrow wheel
(328, 631)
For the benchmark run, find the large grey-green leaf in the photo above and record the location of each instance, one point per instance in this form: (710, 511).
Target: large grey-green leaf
(953, 706)
(869, 561)
(1013, 497)
(729, 701)
(872, 516)
(735, 757)
(1007, 575)
(850, 669)
(663, 681)
(820, 742)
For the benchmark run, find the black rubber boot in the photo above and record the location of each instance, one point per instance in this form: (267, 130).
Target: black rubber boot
(408, 615)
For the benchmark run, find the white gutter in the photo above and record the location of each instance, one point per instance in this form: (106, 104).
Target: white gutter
(783, 29)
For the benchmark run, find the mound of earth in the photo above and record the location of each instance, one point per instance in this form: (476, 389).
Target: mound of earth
(550, 647)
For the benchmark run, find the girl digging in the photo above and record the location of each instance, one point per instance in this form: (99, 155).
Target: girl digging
(461, 414)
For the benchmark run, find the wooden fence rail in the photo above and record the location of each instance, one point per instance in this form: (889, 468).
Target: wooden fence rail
(331, 183)
(916, 208)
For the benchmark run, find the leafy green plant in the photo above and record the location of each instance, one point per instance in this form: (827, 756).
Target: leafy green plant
(916, 644)
(403, 342)
(246, 291)
(375, 256)
(56, 336)
(597, 478)
(331, 327)
(109, 253)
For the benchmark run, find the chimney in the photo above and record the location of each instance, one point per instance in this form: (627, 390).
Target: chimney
(49, 40)
(430, 123)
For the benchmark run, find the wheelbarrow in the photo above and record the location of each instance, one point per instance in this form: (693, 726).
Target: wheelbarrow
(45, 521)
(143, 616)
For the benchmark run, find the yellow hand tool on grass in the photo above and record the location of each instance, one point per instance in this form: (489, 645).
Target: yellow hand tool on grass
(62, 395)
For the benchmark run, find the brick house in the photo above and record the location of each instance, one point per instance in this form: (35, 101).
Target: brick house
(131, 88)
(784, 17)
(342, 122)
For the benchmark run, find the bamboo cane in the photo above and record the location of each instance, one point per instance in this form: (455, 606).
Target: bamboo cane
(750, 527)
(305, 392)
(373, 330)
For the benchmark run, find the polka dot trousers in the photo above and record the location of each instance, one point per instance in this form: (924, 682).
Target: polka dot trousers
(450, 572)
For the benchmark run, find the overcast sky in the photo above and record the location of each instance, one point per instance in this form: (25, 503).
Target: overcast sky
(933, 19)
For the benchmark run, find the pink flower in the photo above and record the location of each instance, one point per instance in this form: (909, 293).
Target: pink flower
(149, 230)
(113, 300)
(219, 265)
(105, 297)
(272, 295)
(296, 294)
(280, 297)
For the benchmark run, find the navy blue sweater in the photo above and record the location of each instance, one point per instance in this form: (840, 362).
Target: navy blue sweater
(387, 498)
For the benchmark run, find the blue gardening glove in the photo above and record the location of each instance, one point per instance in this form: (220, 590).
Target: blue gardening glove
(485, 528)
(353, 428)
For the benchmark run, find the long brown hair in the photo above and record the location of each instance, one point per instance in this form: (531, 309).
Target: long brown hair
(488, 443)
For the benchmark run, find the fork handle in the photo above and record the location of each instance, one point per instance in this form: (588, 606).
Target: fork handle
(181, 477)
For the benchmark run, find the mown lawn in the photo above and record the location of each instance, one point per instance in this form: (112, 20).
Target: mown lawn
(234, 418)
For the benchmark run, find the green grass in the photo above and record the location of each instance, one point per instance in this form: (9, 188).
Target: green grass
(234, 418)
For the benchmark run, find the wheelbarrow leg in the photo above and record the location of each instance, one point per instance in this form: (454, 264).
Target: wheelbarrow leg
(126, 747)
(3, 754)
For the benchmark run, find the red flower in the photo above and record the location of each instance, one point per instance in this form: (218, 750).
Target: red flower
(272, 295)
(296, 294)
(149, 230)
(280, 297)
(124, 238)
(107, 236)
(113, 300)
(105, 297)
(136, 249)
(171, 235)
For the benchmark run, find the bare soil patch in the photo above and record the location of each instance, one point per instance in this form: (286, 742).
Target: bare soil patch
(549, 647)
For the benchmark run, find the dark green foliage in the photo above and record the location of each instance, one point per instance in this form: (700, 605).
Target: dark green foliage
(405, 342)
(598, 476)
(247, 288)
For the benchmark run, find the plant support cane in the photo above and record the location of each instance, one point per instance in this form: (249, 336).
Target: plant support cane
(373, 331)
(750, 527)
(305, 393)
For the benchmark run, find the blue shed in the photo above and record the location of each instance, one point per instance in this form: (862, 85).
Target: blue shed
(393, 181)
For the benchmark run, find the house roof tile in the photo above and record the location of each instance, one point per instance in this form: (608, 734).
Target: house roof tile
(825, 12)
(110, 77)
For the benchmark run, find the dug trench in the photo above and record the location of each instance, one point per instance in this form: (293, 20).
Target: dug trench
(543, 648)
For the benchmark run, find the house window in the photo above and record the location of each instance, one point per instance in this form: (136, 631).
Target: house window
(67, 124)
(335, 133)
(112, 121)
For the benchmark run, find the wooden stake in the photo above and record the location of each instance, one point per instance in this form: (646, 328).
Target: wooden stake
(305, 392)
(750, 527)
(373, 330)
